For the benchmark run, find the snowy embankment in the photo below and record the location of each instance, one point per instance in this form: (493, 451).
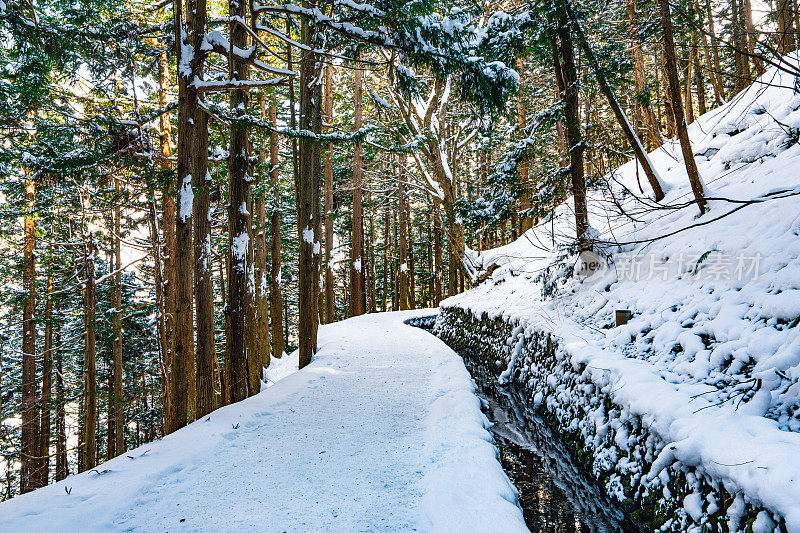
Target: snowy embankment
(710, 362)
(382, 432)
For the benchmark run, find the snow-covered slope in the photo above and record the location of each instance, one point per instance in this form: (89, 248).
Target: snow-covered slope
(382, 432)
(711, 358)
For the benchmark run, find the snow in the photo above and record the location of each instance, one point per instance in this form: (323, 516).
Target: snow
(186, 199)
(308, 235)
(381, 432)
(711, 355)
(239, 249)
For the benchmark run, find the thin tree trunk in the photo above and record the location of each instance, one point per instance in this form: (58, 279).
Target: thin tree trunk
(276, 305)
(673, 88)
(47, 379)
(205, 351)
(752, 36)
(719, 93)
(699, 82)
(572, 94)
(62, 470)
(238, 218)
(329, 283)
(116, 397)
(526, 222)
(687, 86)
(387, 236)
(89, 363)
(412, 284)
(437, 253)
(565, 63)
(357, 297)
(371, 286)
(160, 308)
(28, 408)
(785, 19)
(261, 278)
(402, 236)
(167, 253)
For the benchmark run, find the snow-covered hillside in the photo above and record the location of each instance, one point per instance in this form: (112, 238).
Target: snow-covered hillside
(710, 361)
(382, 432)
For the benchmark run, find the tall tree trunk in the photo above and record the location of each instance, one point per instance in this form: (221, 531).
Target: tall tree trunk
(167, 264)
(276, 304)
(262, 278)
(89, 362)
(160, 307)
(526, 222)
(402, 236)
(238, 217)
(183, 356)
(307, 183)
(674, 90)
(565, 62)
(752, 36)
(687, 86)
(437, 253)
(412, 284)
(699, 81)
(205, 351)
(622, 120)
(371, 286)
(116, 397)
(62, 470)
(357, 297)
(387, 241)
(785, 19)
(28, 455)
(329, 282)
(740, 39)
(719, 86)
(47, 379)
(316, 218)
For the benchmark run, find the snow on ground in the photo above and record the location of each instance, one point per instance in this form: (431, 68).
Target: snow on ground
(711, 359)
(381, 432)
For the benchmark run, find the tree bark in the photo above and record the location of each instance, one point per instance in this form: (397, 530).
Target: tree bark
(183, 356)
(307, 183)
(238, 218)
(525, 220)
(785, 19)
(203, 289)
(622, 119)
(716, 71)
(261, 277)
(119, 415)
(160, 307)
(62, 470)
(402, 237)
(437, 253)
(330, 308)
(357, 296)
(565, 63)
(168, 223)
(29, 429)
(674, 91)
(89, 363)
(276, 305)
(47, 379)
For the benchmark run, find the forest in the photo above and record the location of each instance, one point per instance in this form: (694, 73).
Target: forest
(188, 190)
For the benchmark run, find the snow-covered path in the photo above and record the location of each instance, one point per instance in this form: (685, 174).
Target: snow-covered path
(382, 432)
